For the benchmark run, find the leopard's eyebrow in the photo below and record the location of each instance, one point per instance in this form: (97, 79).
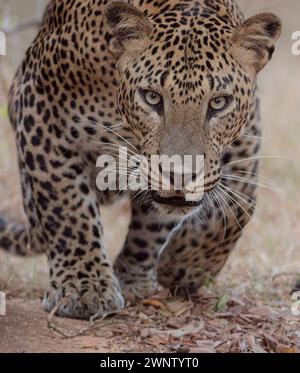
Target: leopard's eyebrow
(163, 77)
(211, 81)
(215, 83)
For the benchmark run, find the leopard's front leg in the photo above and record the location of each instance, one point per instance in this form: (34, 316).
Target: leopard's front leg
(82, 281)
(200, 246)
(136, 265)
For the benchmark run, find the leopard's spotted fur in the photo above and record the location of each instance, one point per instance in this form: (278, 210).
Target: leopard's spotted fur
(80, 77)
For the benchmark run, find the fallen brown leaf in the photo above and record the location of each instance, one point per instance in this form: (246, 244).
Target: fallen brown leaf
(154, 303)
(190, 329)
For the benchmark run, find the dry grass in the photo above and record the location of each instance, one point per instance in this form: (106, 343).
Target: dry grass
(271, 243)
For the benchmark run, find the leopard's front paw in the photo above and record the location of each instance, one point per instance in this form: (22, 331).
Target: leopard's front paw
(141, 284)
(84, 299)
(141, 290)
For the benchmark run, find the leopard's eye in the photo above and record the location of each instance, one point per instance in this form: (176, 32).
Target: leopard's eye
(219, 103)
(152, 98)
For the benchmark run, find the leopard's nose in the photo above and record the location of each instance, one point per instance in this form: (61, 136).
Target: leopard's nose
(182, 175)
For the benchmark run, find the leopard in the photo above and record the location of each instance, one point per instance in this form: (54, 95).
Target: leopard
(158, 78)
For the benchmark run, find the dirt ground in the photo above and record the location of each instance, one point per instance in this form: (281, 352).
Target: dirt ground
(205, 324)
(247, 309)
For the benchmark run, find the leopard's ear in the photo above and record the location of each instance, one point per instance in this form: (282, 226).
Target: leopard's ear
(254, 42)
(127, 28)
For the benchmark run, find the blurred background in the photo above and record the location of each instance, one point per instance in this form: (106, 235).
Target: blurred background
(272, 242)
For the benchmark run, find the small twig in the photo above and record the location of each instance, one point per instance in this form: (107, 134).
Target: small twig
(223, 315)
(82, 330)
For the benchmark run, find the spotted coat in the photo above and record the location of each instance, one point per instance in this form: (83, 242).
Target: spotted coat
(81, 91)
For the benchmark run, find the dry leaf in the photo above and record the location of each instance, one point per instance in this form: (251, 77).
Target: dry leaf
(258, 349)
(286, 349)
(251, 342)
(201, 350)
(144, 333)
(263, 311)
(86, 343)
(190, 329)
(154, 303)
(178, 306)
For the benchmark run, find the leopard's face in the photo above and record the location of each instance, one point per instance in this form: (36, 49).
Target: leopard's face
(188, 91)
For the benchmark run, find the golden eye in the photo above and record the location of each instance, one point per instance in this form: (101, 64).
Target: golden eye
(219, 103)
(152, 98)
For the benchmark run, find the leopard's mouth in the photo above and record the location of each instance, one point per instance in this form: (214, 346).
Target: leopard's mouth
(175, 201)
(178, 206)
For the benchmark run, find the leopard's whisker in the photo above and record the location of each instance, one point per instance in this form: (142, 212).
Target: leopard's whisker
(250, 173)
(228, 192)
(116, 145)
(215, 194)
(111, 146)
(250, 135)
(223, 196)
(247, 198)
(110, 130)
(256, 174)
(249, 181)
(259, 158)
(243, 197)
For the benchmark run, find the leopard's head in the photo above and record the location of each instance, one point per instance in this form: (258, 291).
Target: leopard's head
(187, 84)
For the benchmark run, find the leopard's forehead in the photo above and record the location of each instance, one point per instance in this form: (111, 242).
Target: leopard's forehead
(224, 8)
(188, 60)
(187, 46)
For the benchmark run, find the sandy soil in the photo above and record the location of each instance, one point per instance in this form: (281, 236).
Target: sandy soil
(35, 336)
(159, 324)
